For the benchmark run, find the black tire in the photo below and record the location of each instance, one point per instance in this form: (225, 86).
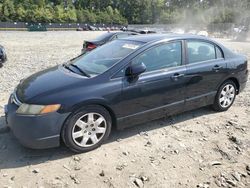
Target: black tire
(70, 122)
(217, 105)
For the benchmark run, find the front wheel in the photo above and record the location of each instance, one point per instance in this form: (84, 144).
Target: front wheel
(225, 96)
(87, 128)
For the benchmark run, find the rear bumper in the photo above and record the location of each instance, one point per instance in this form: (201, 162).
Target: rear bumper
(84, 50)
(242, 86)
(243, 81)
(36, 132)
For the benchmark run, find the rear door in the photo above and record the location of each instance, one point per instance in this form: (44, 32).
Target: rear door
(206, 68)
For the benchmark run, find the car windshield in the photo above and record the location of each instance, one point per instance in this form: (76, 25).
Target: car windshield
(101, 59)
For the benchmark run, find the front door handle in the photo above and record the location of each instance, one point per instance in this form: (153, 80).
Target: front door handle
(176, 76)
(217, 68)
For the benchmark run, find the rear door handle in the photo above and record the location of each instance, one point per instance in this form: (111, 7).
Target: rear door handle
(217, 67)
(176, 76)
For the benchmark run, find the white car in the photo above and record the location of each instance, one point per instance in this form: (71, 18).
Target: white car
(203, 33)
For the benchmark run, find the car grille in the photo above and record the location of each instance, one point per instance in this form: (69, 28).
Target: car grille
(14, 99)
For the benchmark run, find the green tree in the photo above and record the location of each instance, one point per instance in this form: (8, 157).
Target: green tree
(123, 11)
(59, 14)
(20, 13)
(8, 10)
(40, 3)
(70, 15)
(80, 16)
(90, 16)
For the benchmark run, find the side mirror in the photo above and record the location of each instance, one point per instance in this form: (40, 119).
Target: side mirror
(135, 70)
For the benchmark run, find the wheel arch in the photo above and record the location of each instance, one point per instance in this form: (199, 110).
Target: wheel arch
(236, 82)
(66, 139)
(97, 102)
(233, 79)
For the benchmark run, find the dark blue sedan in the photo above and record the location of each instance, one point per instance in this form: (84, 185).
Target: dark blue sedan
(120, 84)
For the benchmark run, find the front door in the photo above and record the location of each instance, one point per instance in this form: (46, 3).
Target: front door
(160, 90)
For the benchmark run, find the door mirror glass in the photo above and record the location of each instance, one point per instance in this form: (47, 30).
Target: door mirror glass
(135, 70)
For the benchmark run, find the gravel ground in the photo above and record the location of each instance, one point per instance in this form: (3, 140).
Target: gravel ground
(200, 148)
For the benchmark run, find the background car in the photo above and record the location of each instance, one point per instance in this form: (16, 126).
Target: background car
(145, 31)
(104, 38)
(3, 56)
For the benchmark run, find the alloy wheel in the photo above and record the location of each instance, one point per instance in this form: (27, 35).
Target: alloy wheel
(89, 129)
(227, 95)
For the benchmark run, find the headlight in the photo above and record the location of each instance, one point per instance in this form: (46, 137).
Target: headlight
(32, 109)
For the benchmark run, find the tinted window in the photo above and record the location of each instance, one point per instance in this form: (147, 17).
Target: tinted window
(161, 57)
(218, 53)
(102, 58)
(200, 51)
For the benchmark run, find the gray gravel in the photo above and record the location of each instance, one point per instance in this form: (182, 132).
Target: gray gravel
(29, 52)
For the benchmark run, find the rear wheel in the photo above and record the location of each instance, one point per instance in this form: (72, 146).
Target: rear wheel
(225, 96)
(87, 128)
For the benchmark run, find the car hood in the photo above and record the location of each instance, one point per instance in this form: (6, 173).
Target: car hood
(49, 81)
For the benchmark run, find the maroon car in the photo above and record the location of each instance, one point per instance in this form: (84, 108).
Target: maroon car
(104, 38)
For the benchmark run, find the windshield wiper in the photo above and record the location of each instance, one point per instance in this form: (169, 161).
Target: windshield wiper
(65, 65)
(80, 70)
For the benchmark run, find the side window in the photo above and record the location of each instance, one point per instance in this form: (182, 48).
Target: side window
(219, 53)
(161, 57)
(200, 51)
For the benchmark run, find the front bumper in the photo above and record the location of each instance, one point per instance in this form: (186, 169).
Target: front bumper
(35, 131)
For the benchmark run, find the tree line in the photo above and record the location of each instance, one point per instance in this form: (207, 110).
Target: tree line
(125, 11)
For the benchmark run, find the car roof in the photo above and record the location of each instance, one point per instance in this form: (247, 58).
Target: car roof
(151, 38)
(171, 36)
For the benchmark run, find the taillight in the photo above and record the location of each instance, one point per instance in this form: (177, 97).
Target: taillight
(90, 46)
